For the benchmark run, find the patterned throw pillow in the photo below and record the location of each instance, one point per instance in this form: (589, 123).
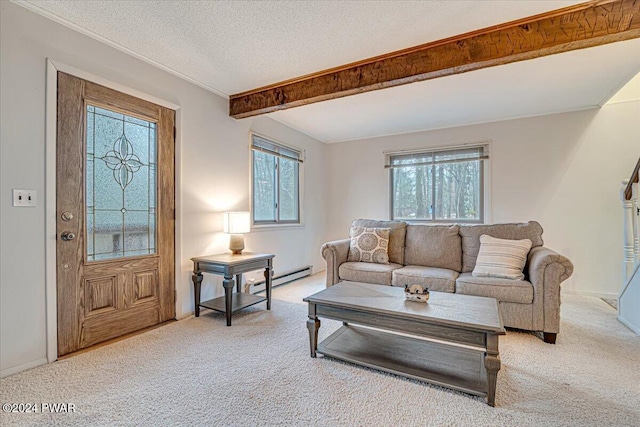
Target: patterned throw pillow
(369, 245)
(501, 258)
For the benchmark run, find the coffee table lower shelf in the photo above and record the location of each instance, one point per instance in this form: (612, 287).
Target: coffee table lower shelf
(458, 368)
(239, 301)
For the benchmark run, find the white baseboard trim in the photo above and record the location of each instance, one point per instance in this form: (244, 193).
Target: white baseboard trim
(185, 315)
(633, 328)
(607, 295)
(23, 367)
(281, 278)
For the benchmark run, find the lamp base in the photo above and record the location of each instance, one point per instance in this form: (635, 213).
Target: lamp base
(236, 243)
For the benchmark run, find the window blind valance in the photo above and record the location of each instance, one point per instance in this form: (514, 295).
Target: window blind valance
(264, 145)
(439, 156)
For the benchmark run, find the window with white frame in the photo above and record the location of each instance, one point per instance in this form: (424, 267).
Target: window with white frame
(443, 185)
(276, 182)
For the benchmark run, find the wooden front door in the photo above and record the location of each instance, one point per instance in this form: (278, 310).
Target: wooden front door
(115, 214)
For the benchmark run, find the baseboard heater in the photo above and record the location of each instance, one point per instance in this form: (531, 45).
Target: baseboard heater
(281, 279)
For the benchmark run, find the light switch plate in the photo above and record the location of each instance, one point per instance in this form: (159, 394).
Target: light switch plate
(24, 198)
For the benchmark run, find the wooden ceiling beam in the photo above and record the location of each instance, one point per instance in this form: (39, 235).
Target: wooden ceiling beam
(584, 25)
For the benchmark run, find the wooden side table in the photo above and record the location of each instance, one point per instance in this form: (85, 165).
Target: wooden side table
(230, 265)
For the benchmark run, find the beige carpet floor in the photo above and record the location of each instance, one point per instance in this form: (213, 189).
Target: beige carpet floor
(258, 372)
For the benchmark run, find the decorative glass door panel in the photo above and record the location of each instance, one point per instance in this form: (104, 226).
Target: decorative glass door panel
(115, 201)
(120, 185)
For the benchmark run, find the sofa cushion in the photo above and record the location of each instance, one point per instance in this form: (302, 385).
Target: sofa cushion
(396, 236)
(436, 279)
(507, 290)
(501, 258)
(433, 246)
(369, 245)
(367, 272)
(471, 238)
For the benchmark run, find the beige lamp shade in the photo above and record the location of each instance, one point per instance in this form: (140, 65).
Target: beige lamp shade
(236, 222)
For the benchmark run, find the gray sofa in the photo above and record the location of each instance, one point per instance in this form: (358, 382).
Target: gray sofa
(442, 257)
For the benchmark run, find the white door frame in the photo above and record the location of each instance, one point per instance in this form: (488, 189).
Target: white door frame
(50, 189)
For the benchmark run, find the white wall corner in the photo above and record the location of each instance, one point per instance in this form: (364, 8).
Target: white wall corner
(606, 295)
(627, 91)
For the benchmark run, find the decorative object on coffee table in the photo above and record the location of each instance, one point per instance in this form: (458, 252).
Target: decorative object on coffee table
(236, 224)
(416, 293)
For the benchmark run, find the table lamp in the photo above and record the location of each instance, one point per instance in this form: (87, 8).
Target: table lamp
(235, 224)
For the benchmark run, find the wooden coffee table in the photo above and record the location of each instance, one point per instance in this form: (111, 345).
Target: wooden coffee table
(451, 341)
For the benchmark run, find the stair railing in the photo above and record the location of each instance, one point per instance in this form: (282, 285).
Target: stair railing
(629, 196)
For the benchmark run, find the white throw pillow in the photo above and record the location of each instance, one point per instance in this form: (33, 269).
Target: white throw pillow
(501, 258)
(369, 245)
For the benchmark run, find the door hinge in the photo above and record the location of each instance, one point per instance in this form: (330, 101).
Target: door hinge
(174, 134)
(175, 295)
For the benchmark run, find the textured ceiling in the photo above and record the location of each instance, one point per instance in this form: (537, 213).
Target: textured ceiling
(232, 46)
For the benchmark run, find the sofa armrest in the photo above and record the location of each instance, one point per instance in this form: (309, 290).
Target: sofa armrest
(547, 270)
(335, 253)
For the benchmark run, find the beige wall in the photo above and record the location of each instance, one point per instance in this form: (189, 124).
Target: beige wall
(214, 162)
(563, 170)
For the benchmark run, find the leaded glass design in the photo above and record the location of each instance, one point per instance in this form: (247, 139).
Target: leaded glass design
(120, 185)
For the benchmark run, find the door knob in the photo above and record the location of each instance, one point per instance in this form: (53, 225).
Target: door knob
(67, 236)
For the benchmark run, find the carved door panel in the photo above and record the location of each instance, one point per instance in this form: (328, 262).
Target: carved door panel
(115, 214)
